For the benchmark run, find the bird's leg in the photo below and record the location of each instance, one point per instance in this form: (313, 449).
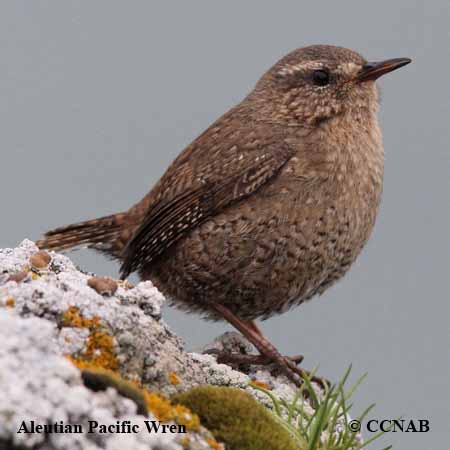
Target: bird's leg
(268, 353)
(254, 327)
(259, 359)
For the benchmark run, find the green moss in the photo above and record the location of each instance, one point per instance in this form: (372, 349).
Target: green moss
(236, 418)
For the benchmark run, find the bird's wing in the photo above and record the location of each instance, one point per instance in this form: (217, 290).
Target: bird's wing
(200, 183)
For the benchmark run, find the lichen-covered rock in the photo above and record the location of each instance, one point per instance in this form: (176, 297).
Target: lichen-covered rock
(123, 331)
(51, 322)
(38, 384)
(77, 348)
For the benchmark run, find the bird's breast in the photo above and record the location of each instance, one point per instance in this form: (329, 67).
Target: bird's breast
(287, 241)
(325, 202)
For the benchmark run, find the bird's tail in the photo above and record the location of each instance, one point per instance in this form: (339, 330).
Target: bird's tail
(102, 234)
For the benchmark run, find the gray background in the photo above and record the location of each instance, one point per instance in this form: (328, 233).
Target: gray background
(97, 98)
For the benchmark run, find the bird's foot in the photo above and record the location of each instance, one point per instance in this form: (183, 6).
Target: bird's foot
(268, 354)
(288, 365)
(254, 360)
(297, 374)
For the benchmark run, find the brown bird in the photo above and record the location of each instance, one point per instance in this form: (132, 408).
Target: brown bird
(268, 207)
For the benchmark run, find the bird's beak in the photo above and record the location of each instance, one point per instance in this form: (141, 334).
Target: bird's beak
(373, 70)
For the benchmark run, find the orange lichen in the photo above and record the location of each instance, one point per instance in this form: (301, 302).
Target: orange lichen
(166, 412)
(214, 444)
(81, 364)
(99, 351)
(260, 384)
(99, 354)
(73, 318)
(174, 379)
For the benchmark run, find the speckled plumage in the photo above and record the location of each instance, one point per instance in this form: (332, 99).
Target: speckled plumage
(293, 238)
(269, 206)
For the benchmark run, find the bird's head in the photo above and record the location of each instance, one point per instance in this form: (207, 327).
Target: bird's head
(316, 83)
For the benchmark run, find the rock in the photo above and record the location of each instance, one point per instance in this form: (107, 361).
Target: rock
(71, 354)
(103, 285)
(125, 326)
(38, 384)
(18, 277)
(40, 260)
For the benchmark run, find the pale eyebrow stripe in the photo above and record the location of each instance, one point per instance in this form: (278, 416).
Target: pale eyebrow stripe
(307, 65)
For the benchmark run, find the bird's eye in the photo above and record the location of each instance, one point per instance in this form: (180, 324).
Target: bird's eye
(320, 77)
